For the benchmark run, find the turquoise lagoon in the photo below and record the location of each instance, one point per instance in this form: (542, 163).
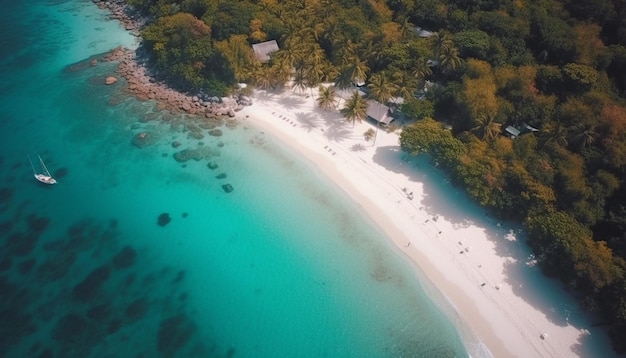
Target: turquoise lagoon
(284, 266)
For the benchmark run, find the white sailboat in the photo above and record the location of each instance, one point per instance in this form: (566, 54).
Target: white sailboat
(44, 176)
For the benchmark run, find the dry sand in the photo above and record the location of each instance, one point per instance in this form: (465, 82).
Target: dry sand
(483, 267)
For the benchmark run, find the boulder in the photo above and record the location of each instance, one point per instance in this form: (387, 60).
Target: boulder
(227, 188)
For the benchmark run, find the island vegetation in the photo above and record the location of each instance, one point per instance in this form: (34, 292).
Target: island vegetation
(521, 101)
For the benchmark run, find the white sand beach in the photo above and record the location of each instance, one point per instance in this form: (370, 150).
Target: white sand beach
(482, 266)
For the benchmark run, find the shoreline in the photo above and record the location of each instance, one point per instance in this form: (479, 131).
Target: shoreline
(484, 271)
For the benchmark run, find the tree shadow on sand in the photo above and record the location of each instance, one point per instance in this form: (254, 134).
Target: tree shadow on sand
(330, 118)
(308, 120)
(290, 102)
(444, 200)
(338, 133)
(265, 96)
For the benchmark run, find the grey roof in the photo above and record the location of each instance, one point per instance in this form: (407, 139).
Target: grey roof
(423, 33)
(262, 50)
(378, 112)
(512, 131)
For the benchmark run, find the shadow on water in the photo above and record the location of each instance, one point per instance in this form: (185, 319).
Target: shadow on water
(442, 199)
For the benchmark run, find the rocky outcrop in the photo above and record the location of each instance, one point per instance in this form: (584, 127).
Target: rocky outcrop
(141, 84)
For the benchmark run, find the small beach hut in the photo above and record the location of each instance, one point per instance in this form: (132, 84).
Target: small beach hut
(512, 132)
(378, 112)
(263, 50)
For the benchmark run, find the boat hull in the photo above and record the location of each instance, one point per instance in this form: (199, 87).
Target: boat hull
(45, 179)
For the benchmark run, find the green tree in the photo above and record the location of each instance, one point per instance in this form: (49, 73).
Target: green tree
(449, 59)
(421, 70)
(441, 42)
(472, 43)
(486, 127)
(584, 135)
(327, 98)
(355, 108)
(579, 78)
(381, 87)
(555, 132)
(418, 108)
(182, 47)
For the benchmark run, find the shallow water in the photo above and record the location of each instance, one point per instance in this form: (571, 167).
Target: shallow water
(285, 265)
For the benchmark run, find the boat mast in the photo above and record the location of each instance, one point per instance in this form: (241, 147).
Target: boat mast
(31, 164)
(43, 166)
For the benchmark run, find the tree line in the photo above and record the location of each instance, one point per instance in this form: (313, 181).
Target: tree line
(526, 109)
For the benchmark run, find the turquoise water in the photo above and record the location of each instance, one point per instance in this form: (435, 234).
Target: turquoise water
(283, 266)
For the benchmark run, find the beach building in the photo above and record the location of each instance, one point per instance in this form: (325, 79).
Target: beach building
(263, 50)
(424, 33)
(512, 132)
(378, 112)
(516, 130)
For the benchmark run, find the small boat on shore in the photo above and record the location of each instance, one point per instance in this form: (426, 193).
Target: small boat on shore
(45, 176)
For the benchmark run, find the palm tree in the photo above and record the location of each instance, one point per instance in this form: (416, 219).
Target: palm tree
(585, 135)
(405, 85)
(264, 77)
(355, 108)
(381, 88)
(299, 81)
(358, 70)
(440, 42)
(315, 65)
(557, 133)
(344, 78)
(406, 29)
(327, 98)
(421, 70)
(449, 58)
(486, 127)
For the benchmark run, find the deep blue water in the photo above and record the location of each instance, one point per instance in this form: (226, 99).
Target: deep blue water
(283, 266)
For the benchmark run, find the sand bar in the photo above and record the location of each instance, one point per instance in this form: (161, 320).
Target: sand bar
(482, 266)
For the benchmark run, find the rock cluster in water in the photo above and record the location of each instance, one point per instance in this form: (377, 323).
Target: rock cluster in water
(141, 84)
(82, 293)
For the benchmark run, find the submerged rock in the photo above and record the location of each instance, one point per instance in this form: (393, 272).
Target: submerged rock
(188, 154)
(212, 165)
(89, 288)
(164, 219)
(221, 176)
(142, 140)
(125, 258)
(227, 188)
(174, 334)
(216, 132)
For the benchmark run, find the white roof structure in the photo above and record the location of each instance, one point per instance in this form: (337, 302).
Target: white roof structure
(423, 33)
(262, 50)
(378, 112)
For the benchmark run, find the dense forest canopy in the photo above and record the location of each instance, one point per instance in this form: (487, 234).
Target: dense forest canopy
(525, 103)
